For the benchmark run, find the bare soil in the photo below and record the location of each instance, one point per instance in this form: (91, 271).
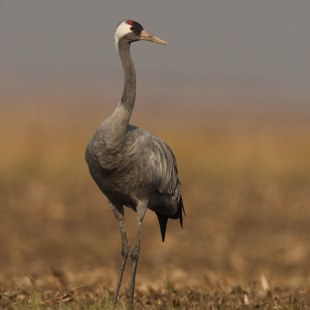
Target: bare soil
(246, 187)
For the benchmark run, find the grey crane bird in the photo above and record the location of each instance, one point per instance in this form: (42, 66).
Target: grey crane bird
(132, 167)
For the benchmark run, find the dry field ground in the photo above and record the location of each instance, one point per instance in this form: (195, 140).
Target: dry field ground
(245, 171)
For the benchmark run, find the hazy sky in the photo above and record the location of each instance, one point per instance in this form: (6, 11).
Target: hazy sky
(237, 41)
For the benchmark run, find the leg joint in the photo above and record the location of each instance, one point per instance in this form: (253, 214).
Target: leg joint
(135, 253)
(125, 251)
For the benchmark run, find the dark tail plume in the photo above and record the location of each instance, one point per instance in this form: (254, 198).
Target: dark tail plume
(162, 219)
(181, 211)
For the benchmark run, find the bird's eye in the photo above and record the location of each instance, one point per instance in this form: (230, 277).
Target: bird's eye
(132, 28)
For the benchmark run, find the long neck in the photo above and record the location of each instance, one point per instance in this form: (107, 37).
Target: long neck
(115, 127)
(129, 91)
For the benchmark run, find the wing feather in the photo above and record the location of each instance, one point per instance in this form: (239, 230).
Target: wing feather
(164, 166)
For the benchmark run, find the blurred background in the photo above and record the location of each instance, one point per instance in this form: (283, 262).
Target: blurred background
(230, 94)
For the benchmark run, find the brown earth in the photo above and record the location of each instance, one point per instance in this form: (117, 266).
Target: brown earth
(245, 175)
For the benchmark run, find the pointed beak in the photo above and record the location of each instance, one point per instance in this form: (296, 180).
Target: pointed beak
(149, 37)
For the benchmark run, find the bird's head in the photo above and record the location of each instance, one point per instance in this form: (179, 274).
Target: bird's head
(130, 31)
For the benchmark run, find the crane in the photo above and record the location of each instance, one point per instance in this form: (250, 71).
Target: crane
(132, 167)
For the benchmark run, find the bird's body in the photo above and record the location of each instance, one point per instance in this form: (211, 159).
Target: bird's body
(141, 167)
(132, 167)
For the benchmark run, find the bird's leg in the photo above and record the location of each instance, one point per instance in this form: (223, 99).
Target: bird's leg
(119, 215)
(135, 253)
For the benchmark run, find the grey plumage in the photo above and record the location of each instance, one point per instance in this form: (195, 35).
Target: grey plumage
(131, 166)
